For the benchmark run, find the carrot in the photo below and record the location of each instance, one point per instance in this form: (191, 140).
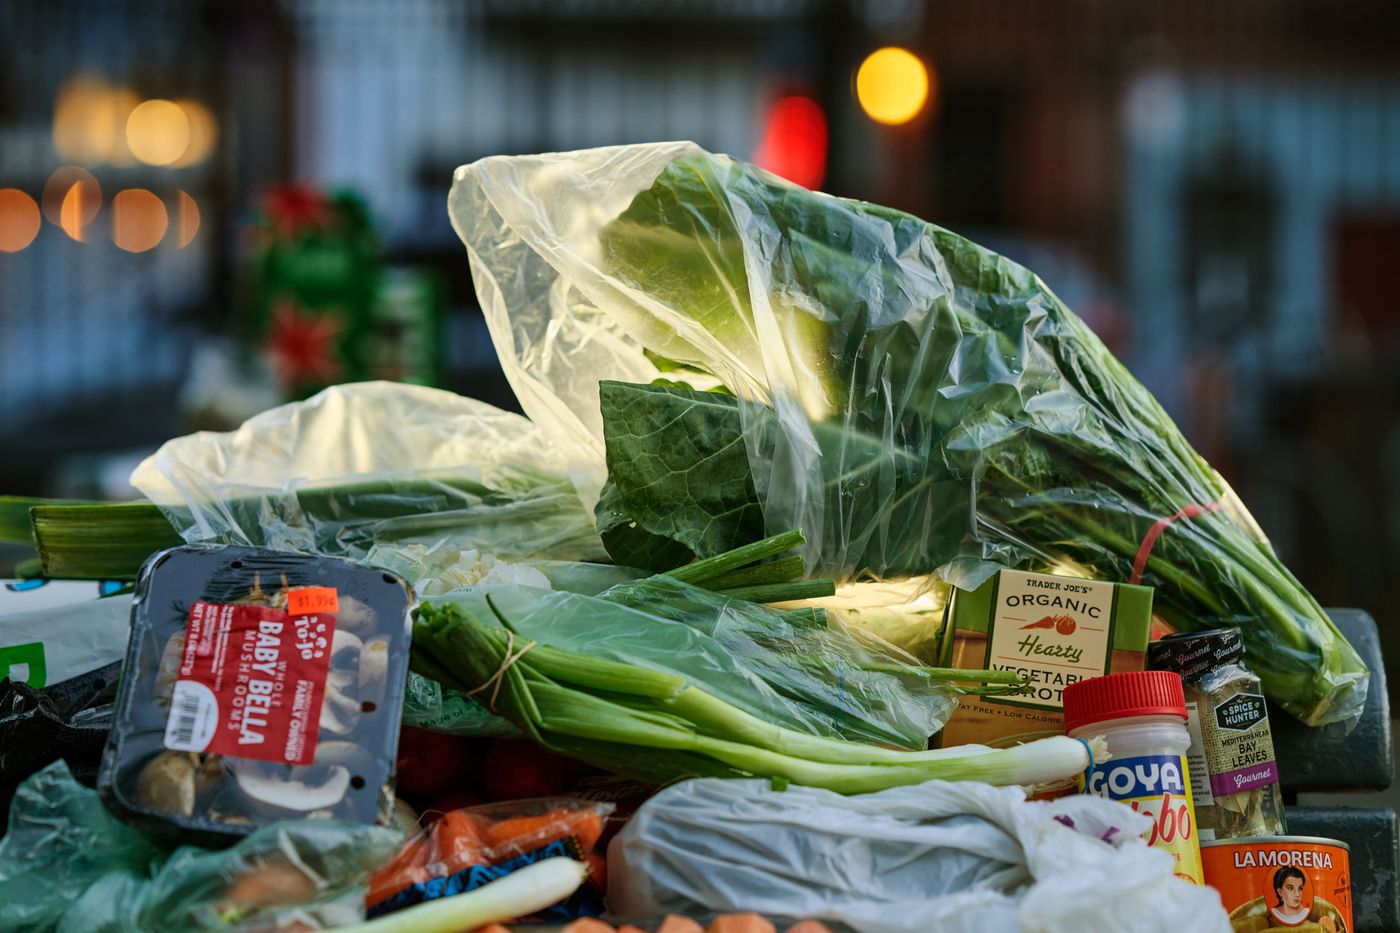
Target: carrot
(597, 870)
(588, 925)
(808, 926)
(628, 928)
(458, 840)
(675, 923)
(448, 846)
(405, 869)
(491, 928)
(740, 923)
(531, 832)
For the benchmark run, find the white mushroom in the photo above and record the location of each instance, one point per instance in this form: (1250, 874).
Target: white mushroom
(374, 672)
(303, 788)
(166, 783)
(352, 615)
(168, 668)
(340, 707)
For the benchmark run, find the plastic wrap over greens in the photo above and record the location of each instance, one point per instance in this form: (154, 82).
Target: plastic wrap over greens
(427, 704)
(66, 865)
(914, 403)
(816, 678)
(432, 484)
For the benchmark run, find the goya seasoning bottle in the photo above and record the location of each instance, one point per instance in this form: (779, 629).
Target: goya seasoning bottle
(1141, 715)
(1234, 778)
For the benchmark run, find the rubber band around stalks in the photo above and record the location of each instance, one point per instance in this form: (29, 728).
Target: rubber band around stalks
(1089, 750)
(497, 678)
(1144, 550)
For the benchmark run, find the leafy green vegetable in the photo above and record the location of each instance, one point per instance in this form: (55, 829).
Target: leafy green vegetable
(678, 471)
(919, 404)
(112, 540)
(796, 668)
(659, 726)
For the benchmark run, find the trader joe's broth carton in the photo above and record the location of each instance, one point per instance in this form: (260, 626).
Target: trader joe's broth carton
(1054, 630)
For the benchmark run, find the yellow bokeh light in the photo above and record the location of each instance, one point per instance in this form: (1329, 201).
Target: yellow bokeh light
(71, 200)
(186, 219)
(139, 220)
(19, 220)
(158, 132)
(892, 85)
(204, 133)
(89, 121)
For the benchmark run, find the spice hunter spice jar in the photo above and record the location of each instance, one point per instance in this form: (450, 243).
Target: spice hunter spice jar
(1141, 715)
(1277, 883)
(1234, 778)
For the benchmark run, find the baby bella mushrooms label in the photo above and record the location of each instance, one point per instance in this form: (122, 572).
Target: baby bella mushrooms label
(251, 682)
(1054, 630)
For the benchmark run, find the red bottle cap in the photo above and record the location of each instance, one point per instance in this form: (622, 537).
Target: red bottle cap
(1118, 696)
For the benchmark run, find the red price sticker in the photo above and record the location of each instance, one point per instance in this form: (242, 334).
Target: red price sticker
(309, 599)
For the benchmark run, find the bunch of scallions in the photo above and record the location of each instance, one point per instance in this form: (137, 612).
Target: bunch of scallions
(668, 717)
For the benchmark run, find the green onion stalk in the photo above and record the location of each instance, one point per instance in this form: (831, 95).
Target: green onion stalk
(658, 727)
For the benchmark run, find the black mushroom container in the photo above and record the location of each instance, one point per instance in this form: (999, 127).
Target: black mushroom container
(214, 798)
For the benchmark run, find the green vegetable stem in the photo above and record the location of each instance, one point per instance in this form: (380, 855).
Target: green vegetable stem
(657, 726)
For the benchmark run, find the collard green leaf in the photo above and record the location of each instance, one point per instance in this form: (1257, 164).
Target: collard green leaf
(677, 471)
(631, 545)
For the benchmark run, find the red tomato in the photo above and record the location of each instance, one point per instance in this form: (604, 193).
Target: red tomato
(517, 769)
(430, 763)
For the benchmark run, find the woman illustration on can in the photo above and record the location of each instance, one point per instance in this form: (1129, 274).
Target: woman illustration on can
(1288, 888)
(1288, 908)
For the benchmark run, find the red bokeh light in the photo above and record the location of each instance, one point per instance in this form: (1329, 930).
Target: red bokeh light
(794, 141)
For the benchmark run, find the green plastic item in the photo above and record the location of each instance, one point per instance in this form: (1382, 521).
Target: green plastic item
(429, 705)
(68, 866)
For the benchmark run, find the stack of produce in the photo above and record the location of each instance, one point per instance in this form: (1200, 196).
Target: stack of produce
(769, 433)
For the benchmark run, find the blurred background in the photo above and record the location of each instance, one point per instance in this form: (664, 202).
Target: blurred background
(209, 207)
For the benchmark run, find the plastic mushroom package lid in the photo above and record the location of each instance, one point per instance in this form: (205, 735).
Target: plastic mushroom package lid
(261, 686)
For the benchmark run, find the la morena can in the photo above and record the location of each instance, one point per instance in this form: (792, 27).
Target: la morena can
(1281, 882)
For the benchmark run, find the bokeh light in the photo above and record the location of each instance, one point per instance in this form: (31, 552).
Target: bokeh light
(892, 85)
(794, 141)
(186, 219)
(89, 121)
(139, 220)
(204, 133)
(71, 199)
(158, 132)
(19, 220)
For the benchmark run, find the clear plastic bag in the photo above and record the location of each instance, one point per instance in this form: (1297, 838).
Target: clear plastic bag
(466, 848)
(939, 856)
(819, 679)
(67, 865)
(427, 704)
(917, 405)
(409, 477)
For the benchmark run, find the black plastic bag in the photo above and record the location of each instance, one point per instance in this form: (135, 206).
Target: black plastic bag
(68, 720)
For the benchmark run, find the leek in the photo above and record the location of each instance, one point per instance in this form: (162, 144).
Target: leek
(520, 893)
(109, 541)
(658, 726)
